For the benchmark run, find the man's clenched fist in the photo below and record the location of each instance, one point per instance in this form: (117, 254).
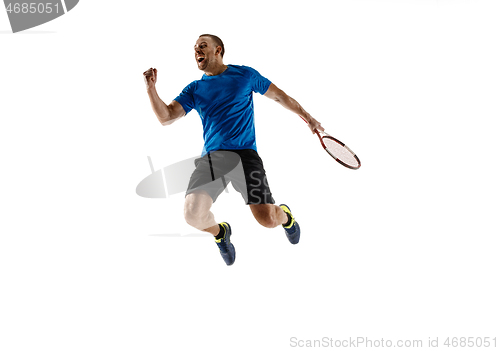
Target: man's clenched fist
(150, 77)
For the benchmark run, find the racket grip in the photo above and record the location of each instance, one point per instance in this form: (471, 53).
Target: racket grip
(317, 131)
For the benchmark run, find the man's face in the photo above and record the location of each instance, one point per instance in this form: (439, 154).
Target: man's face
(204, 52)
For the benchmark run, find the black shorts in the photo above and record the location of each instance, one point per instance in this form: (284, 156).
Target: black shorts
(242, 168)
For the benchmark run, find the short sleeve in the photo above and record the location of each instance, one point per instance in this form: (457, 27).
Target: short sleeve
(186, 98)
(260, 84)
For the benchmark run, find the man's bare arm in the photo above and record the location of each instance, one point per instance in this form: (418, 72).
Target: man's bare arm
(166, 114)
(278, 95)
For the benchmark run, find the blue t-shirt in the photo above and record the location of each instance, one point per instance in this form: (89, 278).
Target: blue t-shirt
(225, 105)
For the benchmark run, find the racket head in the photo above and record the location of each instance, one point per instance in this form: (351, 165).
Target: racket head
(339, 151)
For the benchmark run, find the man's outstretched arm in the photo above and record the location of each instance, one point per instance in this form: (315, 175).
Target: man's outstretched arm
(167, 114)
(278, 95)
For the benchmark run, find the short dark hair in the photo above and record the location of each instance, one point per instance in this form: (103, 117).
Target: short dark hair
(217, 40)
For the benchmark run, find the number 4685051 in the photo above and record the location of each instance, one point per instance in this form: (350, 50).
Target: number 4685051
(33, 7)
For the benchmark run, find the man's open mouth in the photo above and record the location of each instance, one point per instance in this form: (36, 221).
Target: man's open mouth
(200, 59)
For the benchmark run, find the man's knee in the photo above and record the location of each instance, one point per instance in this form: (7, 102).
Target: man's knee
(266, 216)
(192, 211)
(196, 209)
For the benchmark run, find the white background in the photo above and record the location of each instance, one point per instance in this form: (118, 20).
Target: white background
(406, 247)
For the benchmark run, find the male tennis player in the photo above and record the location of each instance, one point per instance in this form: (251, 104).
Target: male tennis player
(223, 99)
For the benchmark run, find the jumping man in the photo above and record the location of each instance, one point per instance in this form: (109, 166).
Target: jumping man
(223, 99)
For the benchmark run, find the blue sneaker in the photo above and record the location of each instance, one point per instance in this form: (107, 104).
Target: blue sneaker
(293, 230)
(226, 249)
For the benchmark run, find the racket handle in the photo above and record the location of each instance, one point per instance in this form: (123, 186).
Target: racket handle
(317, 131)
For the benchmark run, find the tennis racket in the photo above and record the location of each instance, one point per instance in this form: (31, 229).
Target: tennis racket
(337, 149)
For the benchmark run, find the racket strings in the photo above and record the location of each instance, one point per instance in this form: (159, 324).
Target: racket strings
(341, 152)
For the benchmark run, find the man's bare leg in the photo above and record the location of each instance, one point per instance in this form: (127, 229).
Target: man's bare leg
(269, 215)
(197, 212)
